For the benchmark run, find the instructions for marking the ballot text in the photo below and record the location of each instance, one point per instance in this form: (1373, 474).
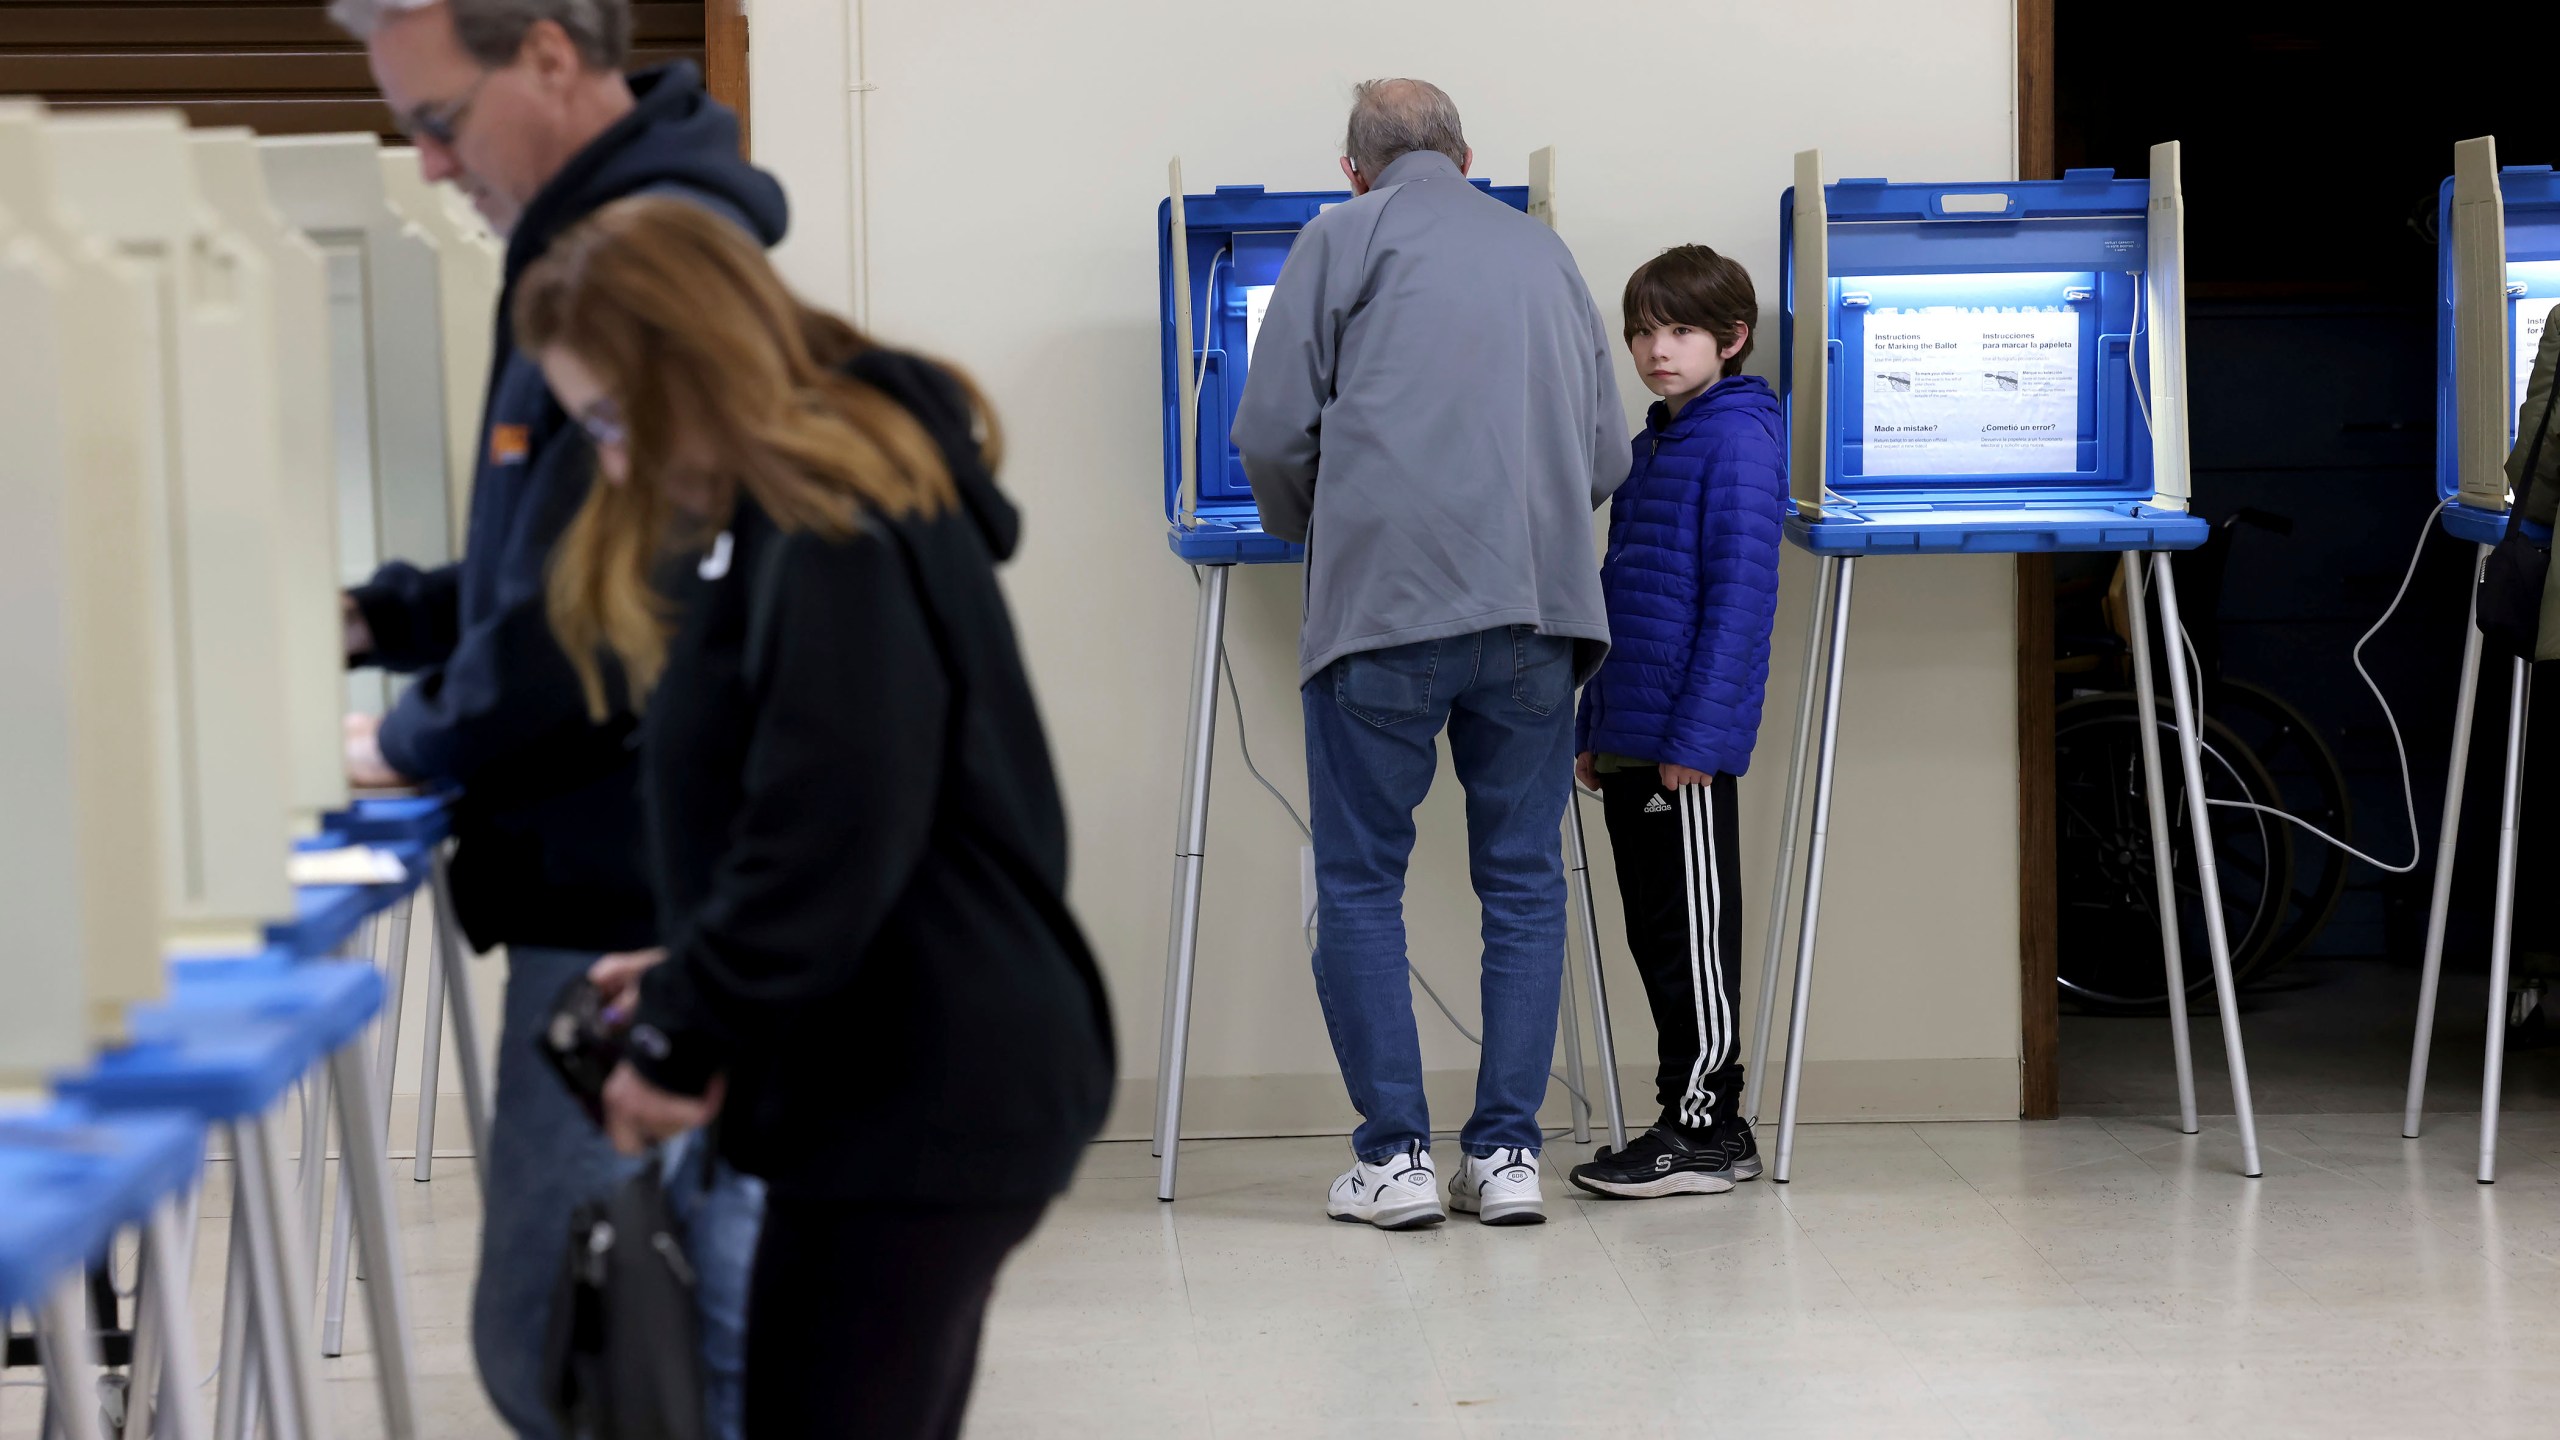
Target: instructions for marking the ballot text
(1952, 391)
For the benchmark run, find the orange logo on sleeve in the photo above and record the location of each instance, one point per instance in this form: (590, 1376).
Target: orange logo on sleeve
(509, 444)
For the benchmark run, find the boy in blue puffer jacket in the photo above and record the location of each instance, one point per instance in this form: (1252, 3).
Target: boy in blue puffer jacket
(1668, 723)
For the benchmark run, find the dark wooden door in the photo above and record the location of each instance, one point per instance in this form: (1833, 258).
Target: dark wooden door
(277, 66)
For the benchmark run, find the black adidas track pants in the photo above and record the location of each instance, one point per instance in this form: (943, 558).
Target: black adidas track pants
(1680, 874)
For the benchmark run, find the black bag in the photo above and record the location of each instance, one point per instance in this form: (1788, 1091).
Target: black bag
(2509, 604)
(624, 1354)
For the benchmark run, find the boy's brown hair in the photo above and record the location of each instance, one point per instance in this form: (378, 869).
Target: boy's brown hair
(1693, 285)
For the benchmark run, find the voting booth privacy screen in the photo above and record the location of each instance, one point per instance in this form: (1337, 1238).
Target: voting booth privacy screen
(1982, 365)
(2497, 259)
(1234, 241)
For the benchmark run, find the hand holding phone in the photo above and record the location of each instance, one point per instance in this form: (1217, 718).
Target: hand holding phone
(584, 1042)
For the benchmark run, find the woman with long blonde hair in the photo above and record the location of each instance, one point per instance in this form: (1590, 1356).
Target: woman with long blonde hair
(870, 976)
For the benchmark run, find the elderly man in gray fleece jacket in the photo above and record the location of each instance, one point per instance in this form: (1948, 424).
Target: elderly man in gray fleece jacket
(1432, 406)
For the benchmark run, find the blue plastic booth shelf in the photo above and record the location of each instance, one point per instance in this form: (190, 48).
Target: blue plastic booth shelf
(326, 915)
(72, 1178)
(1983, 343)
(1239, 235)
(231, 1039)
(2473, 525)
(390, 819)
(2531, 196)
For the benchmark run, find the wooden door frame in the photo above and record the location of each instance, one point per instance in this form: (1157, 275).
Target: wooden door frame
(724, 60)
(2039, 886)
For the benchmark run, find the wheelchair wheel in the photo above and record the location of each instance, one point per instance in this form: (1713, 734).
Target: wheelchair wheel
(2109, 958)
(2307, 776)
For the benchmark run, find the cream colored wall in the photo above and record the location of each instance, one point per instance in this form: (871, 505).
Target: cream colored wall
(979, 179)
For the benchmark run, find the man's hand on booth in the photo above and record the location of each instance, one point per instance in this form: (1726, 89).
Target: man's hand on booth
(638, 1114)
(1676, 776)
(366, 768)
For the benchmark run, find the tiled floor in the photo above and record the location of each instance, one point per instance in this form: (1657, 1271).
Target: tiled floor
(2325, 1035)
(2078, 1278)
(2088, 1277)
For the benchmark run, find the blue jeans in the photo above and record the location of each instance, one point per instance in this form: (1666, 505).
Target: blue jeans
(545, 1160)
(722, 1222)
(1373, 724)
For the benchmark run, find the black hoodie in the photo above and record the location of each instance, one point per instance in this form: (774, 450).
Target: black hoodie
(862, 857)
(549, 821)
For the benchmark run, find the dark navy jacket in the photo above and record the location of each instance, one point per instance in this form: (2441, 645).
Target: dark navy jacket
(549, 826)
(863, 855)
(1692, 584)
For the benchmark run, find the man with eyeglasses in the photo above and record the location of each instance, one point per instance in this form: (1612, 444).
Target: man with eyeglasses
(523, 106)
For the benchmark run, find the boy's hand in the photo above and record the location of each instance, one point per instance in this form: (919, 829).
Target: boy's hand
(1586, 770)
(1676, 776)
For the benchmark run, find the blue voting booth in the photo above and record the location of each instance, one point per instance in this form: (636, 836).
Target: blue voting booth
(1217, 263)
(1219, 258)
(1995, 367)
(238, 1032)
(2497, 280)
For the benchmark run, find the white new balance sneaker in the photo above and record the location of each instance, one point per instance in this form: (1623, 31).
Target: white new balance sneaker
(1499, 1189)
(1402, 1194)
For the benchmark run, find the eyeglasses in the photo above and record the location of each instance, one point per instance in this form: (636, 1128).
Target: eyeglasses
(603, 423)
(442, 123)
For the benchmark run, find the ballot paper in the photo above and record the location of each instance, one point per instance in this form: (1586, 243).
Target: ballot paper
(2532, 313)
(1257, 301)
(1954, 391)
(349, 865)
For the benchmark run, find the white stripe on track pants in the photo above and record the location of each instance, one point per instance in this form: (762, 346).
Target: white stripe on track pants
(1680, 875)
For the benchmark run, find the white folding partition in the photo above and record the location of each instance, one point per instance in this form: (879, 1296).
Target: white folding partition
(206, 387)
(307, 577)
(79, 798)
(386, 355)
(471, 266)
(2484, 405)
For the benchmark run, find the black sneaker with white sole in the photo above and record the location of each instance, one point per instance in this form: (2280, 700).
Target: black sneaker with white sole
(1661, 1161)
(1732, 1135)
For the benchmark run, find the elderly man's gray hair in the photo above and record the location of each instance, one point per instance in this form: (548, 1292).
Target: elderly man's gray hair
(1397, 117)
(494, 30)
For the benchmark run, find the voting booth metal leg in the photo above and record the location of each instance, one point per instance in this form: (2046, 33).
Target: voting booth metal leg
(2439, 905)
(312, 1170)
(468, 1057)
(1829, 751)
(1569, 1021)
(164, 1336)
(2183, 698)
(141, 1395)
(1771, 949)
(280, 1283)
(1190, 852)
(1603, 1036)
(430, 1058)
(2155, 794)
(69, 1349)
(364, 1173)
(238, 1399)
(2493, 1070)
(391, 956)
